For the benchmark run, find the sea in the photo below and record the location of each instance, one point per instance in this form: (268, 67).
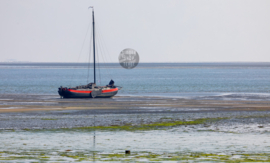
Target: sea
(217, 81)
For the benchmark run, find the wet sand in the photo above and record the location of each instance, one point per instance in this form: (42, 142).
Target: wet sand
(47, 112)
(58, 129)
(24, 103)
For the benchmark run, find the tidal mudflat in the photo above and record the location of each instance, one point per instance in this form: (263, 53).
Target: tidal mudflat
(47, 128)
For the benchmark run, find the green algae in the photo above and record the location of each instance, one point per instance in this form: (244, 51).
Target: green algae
(48, 119)
(135, 156)
(150, 126)
(7, 130)
(254, 116)
(140, 127)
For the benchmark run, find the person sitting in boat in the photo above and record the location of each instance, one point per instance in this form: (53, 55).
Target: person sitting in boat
(111, 83)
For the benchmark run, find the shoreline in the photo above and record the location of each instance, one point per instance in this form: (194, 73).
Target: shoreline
(130, 103)
(28, 103)
(151, 109)
(178, 106)
(153, 128)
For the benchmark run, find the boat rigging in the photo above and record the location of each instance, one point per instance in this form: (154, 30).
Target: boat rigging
(90, 90)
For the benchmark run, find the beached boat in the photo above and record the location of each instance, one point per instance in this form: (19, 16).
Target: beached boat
(90, 90)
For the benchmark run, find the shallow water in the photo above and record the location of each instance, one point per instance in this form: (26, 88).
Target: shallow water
(244, 81)
(156, 141)
(243, 131)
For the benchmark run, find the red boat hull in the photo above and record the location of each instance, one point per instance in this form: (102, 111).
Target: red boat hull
(77, 93)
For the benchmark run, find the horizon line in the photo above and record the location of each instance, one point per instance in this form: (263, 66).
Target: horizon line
(145, 62)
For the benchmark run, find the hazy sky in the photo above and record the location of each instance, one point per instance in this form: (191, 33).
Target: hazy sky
(159, 30)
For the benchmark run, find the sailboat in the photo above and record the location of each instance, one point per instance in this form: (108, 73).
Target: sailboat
(90, 90)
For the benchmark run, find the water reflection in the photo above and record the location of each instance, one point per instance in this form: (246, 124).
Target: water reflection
(94, 138)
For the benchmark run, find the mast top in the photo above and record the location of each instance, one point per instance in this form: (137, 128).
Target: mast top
(91, 7)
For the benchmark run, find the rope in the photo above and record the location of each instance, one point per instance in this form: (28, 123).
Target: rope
(102, 57)
(102, 52)
(98, 66)
(80, 52)
(110, 60)
(106, 49)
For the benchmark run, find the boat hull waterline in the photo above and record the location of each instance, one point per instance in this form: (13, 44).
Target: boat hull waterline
(84, 93)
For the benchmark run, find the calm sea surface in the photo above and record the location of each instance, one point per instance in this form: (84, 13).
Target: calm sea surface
(191, 80)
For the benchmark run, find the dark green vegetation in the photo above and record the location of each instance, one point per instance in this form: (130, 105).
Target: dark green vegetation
(163, 123)
(169, 123)
(48, 119)
(42, 156)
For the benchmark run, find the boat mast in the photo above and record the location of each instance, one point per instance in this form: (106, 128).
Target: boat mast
(93, 19)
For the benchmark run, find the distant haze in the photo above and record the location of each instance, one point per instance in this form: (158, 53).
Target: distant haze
(159, 30)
